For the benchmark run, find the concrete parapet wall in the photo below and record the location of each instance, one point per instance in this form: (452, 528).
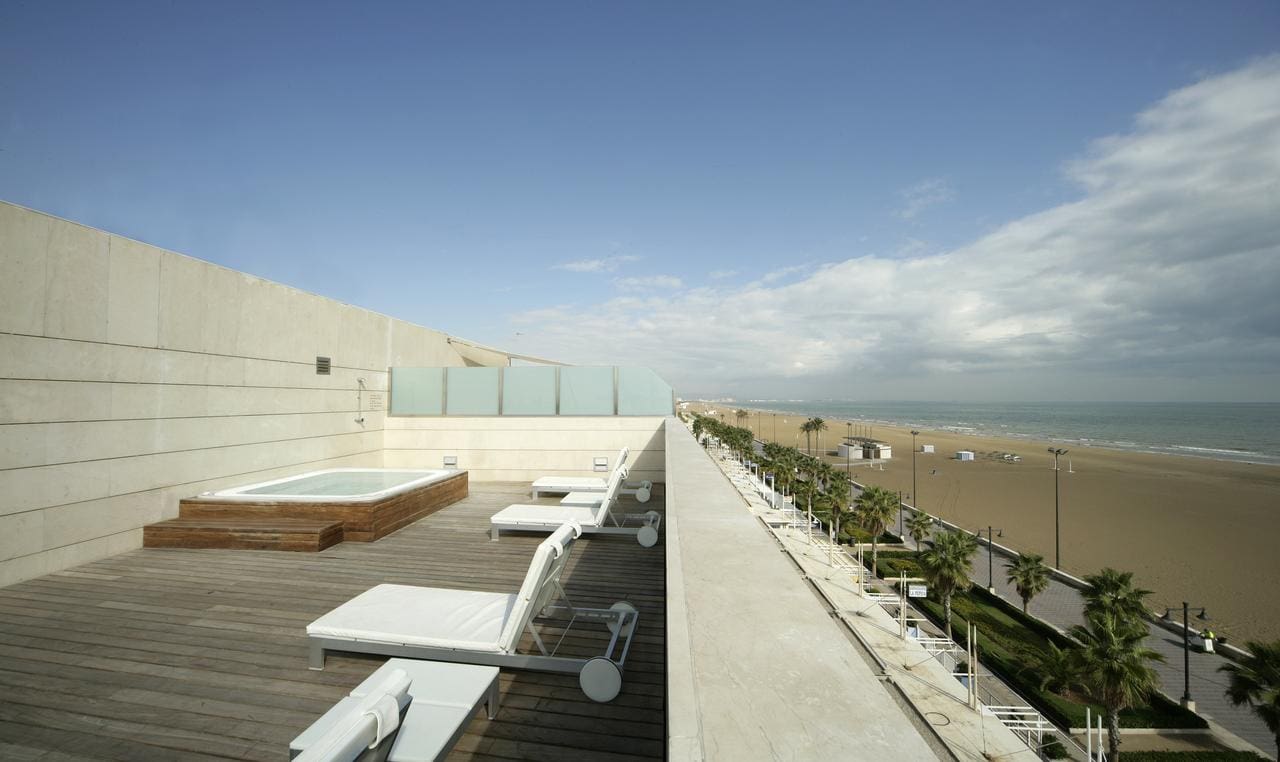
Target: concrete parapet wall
(511, 448)
(131, 377)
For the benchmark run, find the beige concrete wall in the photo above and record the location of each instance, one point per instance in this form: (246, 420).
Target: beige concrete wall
(131, 376)
(514, 448)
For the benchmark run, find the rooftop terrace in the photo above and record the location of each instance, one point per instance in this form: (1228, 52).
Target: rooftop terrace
(166, 653)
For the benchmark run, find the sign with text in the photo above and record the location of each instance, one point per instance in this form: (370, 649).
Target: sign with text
(917, 591)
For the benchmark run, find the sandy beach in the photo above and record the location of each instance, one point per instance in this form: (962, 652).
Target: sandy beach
(1193, 529)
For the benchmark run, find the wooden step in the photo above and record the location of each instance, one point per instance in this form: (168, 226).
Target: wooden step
(243, 534)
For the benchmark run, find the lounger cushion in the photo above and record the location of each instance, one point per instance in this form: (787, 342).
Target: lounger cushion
(570, 484)
(420, 616)
(583, 498)
(543, 516)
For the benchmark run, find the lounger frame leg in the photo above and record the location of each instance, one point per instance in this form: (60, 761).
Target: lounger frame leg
(492, 701)
(315, 659)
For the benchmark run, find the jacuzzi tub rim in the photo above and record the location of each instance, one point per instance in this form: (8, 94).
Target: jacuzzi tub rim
(233, 494)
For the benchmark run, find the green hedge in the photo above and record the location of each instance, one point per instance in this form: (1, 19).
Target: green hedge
(1190, 756)
(1011, 644)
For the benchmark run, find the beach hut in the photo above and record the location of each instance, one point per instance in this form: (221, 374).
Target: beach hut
(928, 449)
(964, 454)
(849, 451)
(877, 451)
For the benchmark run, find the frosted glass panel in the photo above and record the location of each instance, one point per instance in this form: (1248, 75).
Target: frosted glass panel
(417, 391)
(529, 391)
(473, 391)
(586, 391)
(642, 392)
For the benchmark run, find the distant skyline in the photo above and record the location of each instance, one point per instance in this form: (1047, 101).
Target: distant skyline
(757, 200)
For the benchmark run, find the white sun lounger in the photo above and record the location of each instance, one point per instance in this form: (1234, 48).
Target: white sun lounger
(471, 627)
(437, 703)
(560, 485)
(599, 518)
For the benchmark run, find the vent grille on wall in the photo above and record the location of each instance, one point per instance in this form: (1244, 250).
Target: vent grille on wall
(322, 366)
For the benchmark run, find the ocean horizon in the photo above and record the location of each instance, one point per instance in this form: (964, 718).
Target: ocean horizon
(1234, 431)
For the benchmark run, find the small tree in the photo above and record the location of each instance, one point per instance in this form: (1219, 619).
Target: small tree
(838, 486)
(1256, 682)
(945, 567)
(1115, 667)
(741, 414)
(699, 426)
(920, 525)
(875, 508)
(1029, 576)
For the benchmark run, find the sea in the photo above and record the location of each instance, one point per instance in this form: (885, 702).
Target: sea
(1244, 431)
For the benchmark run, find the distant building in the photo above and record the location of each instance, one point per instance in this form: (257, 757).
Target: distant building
(850, 451)
(964, 455)
(877, 450)
(926, 449)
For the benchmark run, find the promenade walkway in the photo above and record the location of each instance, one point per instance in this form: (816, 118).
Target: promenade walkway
(1062, 606)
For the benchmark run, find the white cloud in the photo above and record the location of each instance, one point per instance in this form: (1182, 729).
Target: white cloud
(663, 282)
(601, 265)
(924, 194)
(1166, 268)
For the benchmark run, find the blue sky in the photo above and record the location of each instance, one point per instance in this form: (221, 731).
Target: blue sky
(511, 172)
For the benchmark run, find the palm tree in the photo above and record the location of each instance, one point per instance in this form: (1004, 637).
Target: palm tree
(920, 525)
(1029, 576)
(1256, 682)
(875, 508)
(740, 414)
(945, 567)
(819, 426)
(807, 428)
(699, 426)
(1112, 592)
(1059, 669)
(1115, 667)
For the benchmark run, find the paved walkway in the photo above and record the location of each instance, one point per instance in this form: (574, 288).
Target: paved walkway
(1062, 606)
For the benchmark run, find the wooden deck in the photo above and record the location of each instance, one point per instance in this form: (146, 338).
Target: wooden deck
(193, 654)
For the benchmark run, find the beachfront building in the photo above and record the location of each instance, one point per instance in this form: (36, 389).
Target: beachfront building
(850, 450)
(877, 451)
(135, 379)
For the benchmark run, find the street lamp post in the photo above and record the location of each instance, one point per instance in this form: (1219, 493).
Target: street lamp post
(1186, 653)
(915, 493)
(991, 581)
(1057, 537)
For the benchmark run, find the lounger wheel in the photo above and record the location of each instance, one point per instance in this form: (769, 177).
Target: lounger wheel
(647, 536)
(600, 679)
(631, 621)
(644, 492)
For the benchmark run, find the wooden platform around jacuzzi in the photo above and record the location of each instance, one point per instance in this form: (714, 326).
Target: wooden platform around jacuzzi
(361, 522)
(243, 534)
